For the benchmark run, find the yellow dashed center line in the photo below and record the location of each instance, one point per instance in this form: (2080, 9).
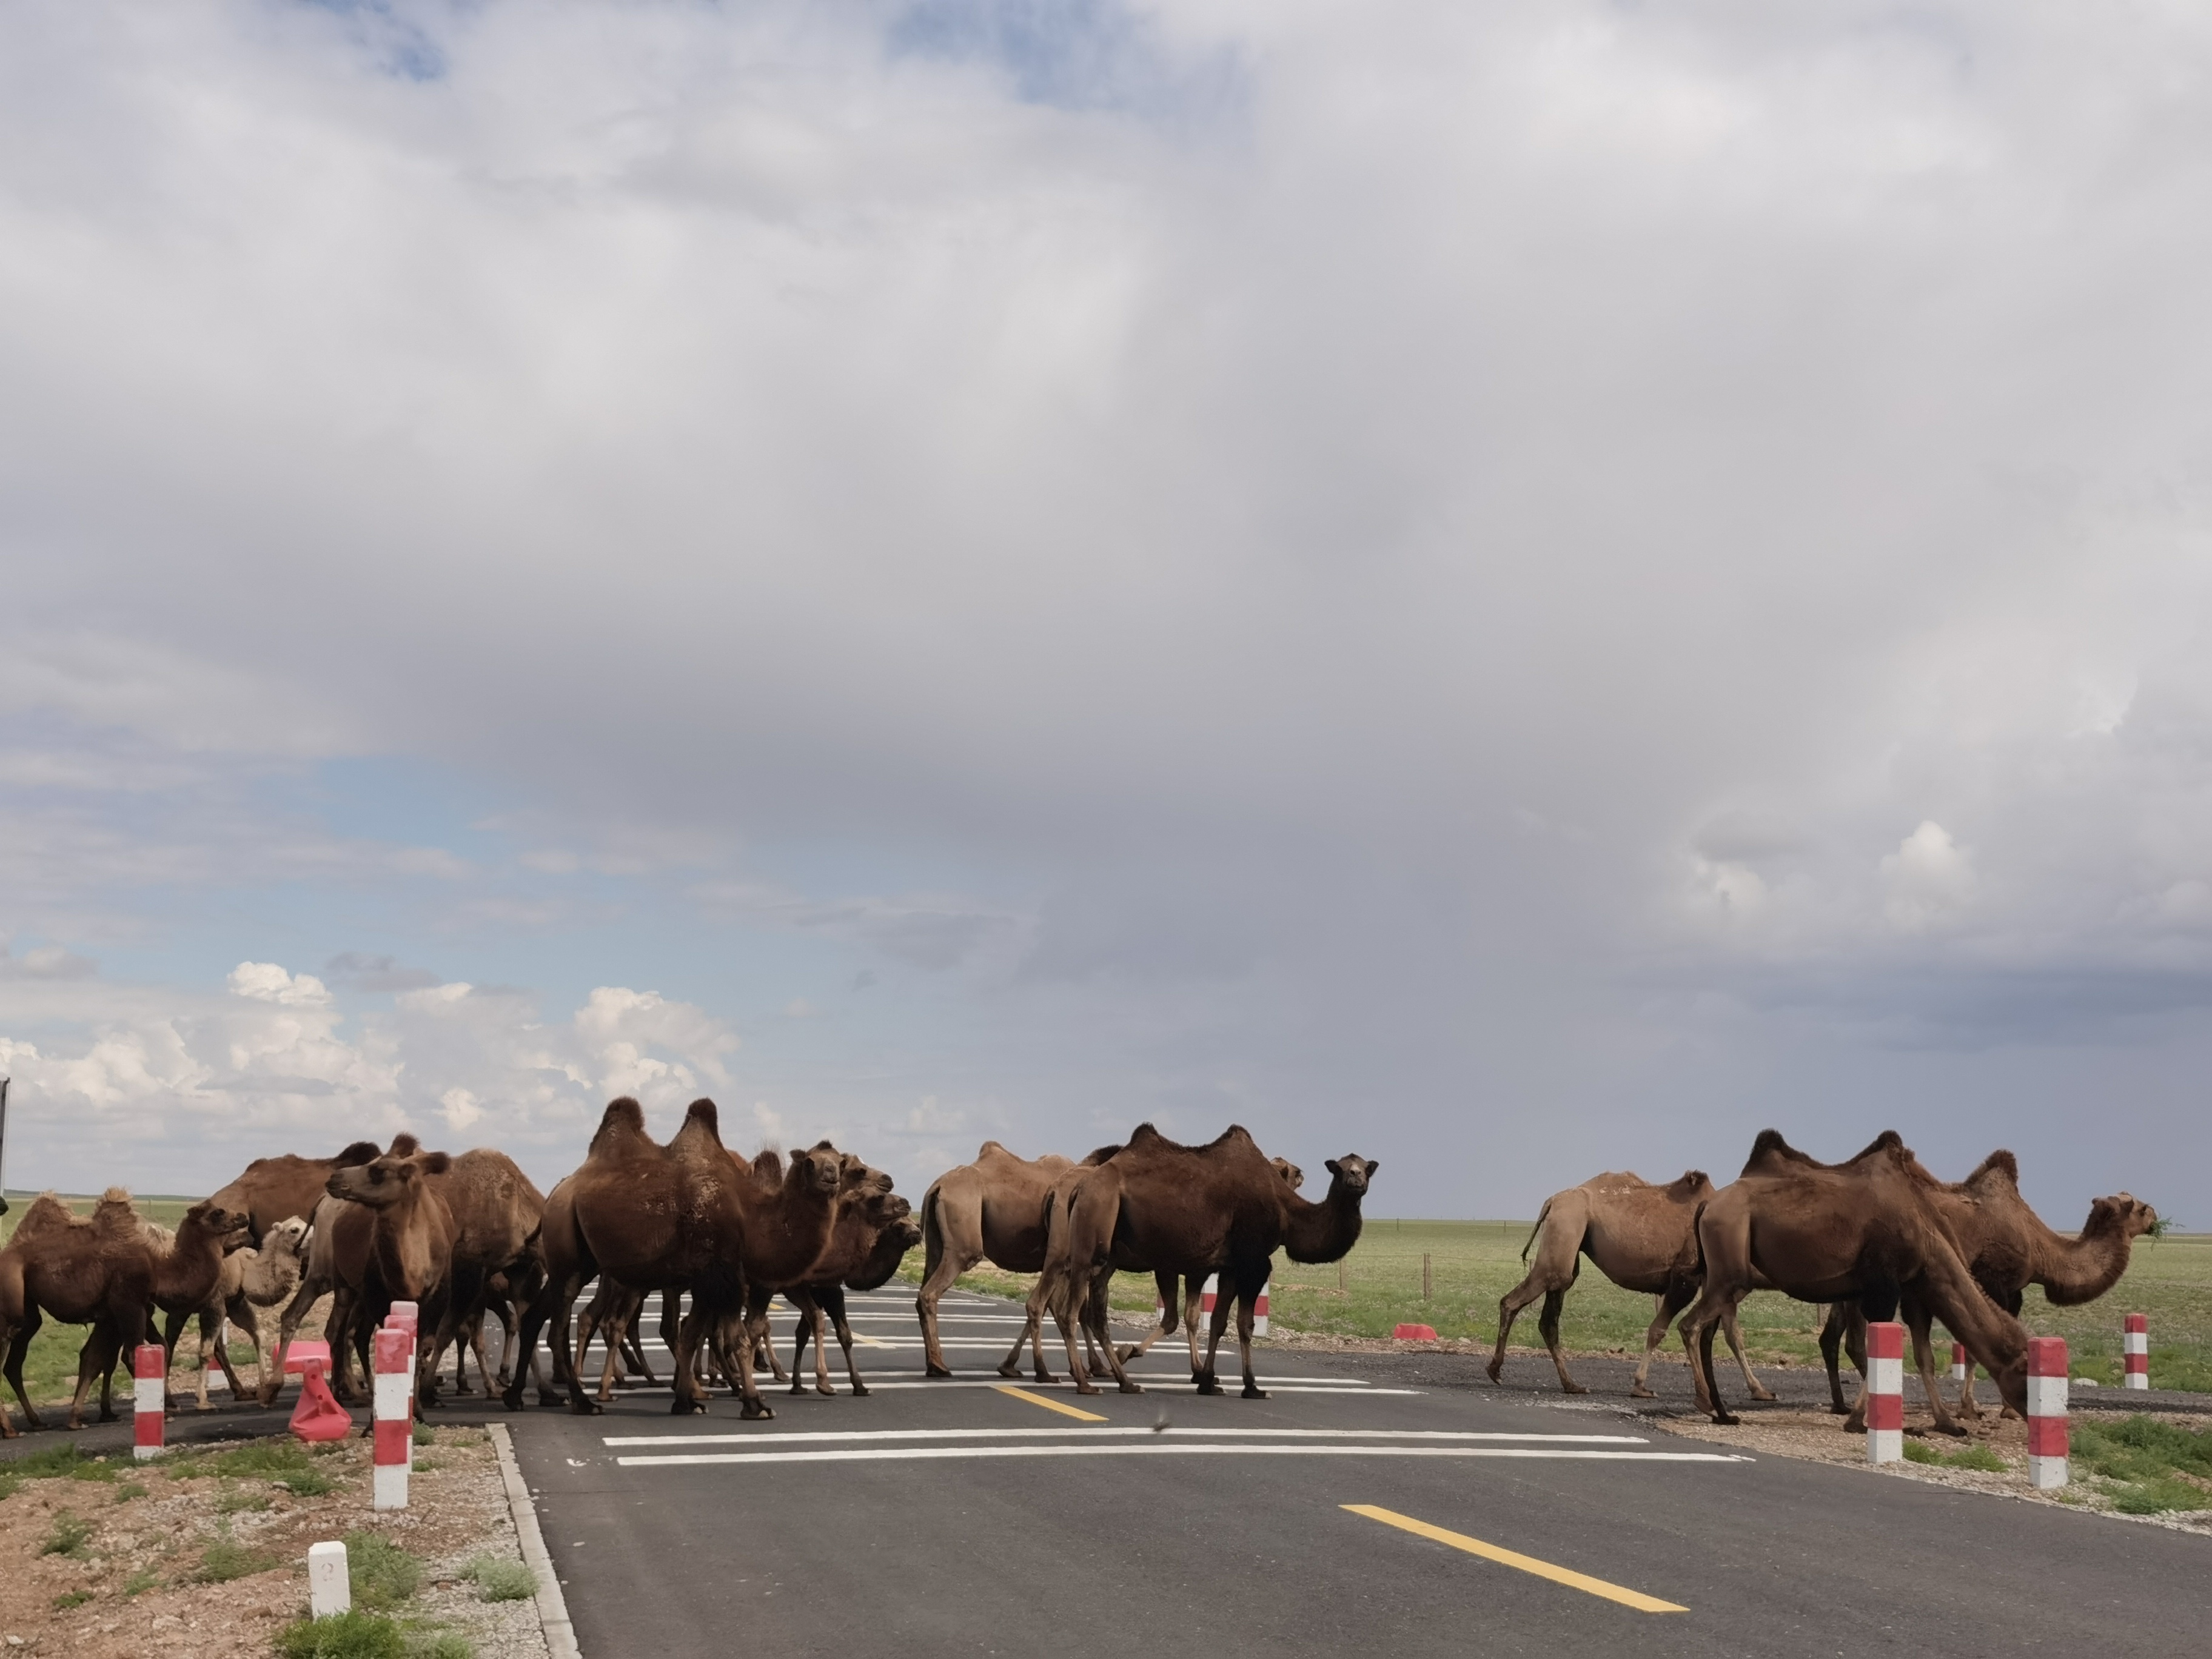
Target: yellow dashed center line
(1459, 1540)
(1050, 1404)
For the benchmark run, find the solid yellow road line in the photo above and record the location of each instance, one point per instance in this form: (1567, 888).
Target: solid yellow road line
(1050, 1404)
(1459, 1540)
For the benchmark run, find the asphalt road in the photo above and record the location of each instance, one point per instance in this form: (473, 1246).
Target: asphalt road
(956, 1518)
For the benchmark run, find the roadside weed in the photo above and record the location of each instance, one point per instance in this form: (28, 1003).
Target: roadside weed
(141, 1581)
(68, 1599)
(2149, 1468)
(227, 1558)
(383, 1575)
(354, 1635)
(501, 1581)
(68, 1536)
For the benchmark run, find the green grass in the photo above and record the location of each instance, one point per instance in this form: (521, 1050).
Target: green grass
(68, 1599)
(68, 1536)
(2147, 1467)
(1967, 1457)
(227, 1558)
(141, 1581)
(1473, 1263)
(280, 1461)
(382, 1573)
(61, 1462)
(502, 1581)
(231, 1501)
(423, 1437)
(354, 1635)
(129, 1490)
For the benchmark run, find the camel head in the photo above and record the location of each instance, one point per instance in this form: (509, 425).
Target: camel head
(1351, 1173)
(820, 1170)
(359, 1152)
(1293, 1177)
(883, 1209)
(387, 1179)
(289, 1237)
(2122, 1214)
(855, 1174)
(232, 1229)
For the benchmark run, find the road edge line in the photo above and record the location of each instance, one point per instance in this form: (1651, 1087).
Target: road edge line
(552, 1605)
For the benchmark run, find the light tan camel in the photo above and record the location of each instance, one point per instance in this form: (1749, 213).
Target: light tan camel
(1157, 1207)
(271, 1189)
(1870, 1231)
(1641, 1236)
(654, 1217)
(992, 1209)
(250, 1280)
(2007, 1248)
(104, 1272)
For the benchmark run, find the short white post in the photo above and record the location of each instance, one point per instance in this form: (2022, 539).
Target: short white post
(1957, 1362)
(395, 1418)
(330, 1588)
(149, 1400)
(1885, 1391)
(2046, 1412)
(2135, 1349)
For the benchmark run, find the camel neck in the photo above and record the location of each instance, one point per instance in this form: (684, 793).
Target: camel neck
(2080, 1269)
(1324, 1232)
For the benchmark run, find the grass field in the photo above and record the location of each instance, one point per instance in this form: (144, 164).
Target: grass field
(1473, 1263)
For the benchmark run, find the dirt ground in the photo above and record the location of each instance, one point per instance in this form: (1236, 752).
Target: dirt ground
(136, 1581)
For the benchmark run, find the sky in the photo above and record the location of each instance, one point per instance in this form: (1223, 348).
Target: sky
(1518, 590)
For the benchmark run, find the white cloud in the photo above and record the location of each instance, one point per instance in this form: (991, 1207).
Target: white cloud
(265, 981)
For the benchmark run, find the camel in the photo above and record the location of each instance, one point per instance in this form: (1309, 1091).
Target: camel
(821, 1295)
(496, 1213)
(1870, 1230)
(1155, 1206)
(653, 1217)
(104, 1272)
(250, 1279)
(392, 1240)
(2007, 1248)
(270, 1189)
(992, 1209)
(1642, 1237)
(1194, 1294)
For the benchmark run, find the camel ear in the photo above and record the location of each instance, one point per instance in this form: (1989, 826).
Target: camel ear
(1333, 1167)
(435, 1162)
(1373, 1164)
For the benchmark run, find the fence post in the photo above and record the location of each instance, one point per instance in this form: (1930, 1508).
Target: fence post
(1343, 1283)
(395, 1417)
(2046, 1411)
(1885, 1391)
(1424, 1275)
(149, 1400)
(2135, 1349)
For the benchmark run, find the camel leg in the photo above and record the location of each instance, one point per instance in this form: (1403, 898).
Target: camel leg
(1916, 1320)
(19, 1344)
(1734, 1332)
(1968, 1406)
(294, 1310)
(946, 1258)
(230, 1376)
(1832, 1342)
(1855, 1348)
(1052, 1291)
(833, 1302)
(812, 1316)
(1206, 1382)
(805, 1328)
(1163, 1283)
(1534, 1287)
(551, 1306)
(1672, 1301)
(8, 1429)
(1248, 1295)
(1097, 1311)
(1547, 1322)
(1697, 1330)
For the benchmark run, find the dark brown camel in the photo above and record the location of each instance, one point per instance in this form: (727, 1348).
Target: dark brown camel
(392, 1240)
(1870, 1230)
(814, 1299)
(1193, 1296)
(1156, 1206)
(496, 1213)
(679, 1216)
(1642, 1237)
(271, 1189)
(2007, 1248)
(105, 1272)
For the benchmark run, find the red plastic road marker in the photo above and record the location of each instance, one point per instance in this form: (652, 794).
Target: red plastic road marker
(395, 1417)
(2046, 1411)
(319, 1416)
(297, 1356)
(1885, 1391)
(2135, 1349)
(150, 1397)
(1959, 1361)
(1414, 1334)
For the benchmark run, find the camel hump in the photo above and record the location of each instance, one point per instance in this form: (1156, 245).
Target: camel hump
(622, 1120)
(46, 1212)
(1691, 1183)
(1145, 1134)
(1888, 1141)
(2000, 1165)
(768, 1165)
(1099, 1155)
(361, 1152)
(402, 1145)
(1771, 1149)
(1614, 1179)
(703, 1122)
(114, 1215)
(990, 1147)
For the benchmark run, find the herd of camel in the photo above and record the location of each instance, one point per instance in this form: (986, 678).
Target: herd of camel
(464, 1235)
(469, 1235)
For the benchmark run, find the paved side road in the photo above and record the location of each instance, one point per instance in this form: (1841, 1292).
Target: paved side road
(960, 1518)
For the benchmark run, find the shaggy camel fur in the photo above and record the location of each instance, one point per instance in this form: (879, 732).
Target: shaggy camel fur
(2007, 1248)
(874, 1230)
(272, 1188)
(1155, 1206)
(1870, 1230)
(654, 1217)
(392, 1237)
(1642, 1237)
(250, 1279)
(104, 1272)
(496, 1214)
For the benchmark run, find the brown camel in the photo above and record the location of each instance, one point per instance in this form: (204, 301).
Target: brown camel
(1870, 1230)
(496, 1214)
(1164, 1290)
(272, 1188)
(821, 1295)
(679, 1216)
(2007, 1248)
(105, 1272)
(1642, 1237)
(992, 1209)
(392, 1240)
(1156, 1206)
(251, 1279)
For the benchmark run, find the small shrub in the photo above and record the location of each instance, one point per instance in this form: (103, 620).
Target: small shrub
(1976, 1457)
(1917, 1452)
(227, 1558)
(69, 1537)
(231, 1501)
(382, 1573)
(422, 1436)
(9, 1480)
(141, 1581)
(425, 1465)
(129, 1490)
(354, 1635)
(68, 1599)
(502, 1581)
(445, 1645)
(308, 1483)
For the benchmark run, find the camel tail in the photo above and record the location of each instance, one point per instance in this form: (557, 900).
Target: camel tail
(1535, 1229)
(932, 1235)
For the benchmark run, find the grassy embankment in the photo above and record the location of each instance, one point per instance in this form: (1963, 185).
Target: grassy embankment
(1473, 1263)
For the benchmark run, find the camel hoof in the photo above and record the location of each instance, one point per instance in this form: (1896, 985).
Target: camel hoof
(586, 1408)
(1572, 1388)
(545, 1397)
(860, 1391)
(1086, 1388)
(1047, 1378)
(935, 1369)
(1128, 1387)
(682, 1407)
(822, 1388)
(1208, 1385)
(1726, 1419)
(513, 1400)
(1012, 1373)
(1850, 1427)
(798, 1387)
(1493, 1368)
(1762, 1394)
(1253, 1392)
(756, 1410)
(1639, 1392)
(1839, 1411)
(1951, 1429)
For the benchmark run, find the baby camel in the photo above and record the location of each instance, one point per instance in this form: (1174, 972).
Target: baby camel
(251, 1279)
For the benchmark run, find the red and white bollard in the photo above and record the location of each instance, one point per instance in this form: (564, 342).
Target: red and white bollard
(149, 1400)
(394, 1410)
(1885, 1391)
(1959, 1361)
(2046, 1411)
(407, 1317)
(1206, 1299)
(2135, 1349)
